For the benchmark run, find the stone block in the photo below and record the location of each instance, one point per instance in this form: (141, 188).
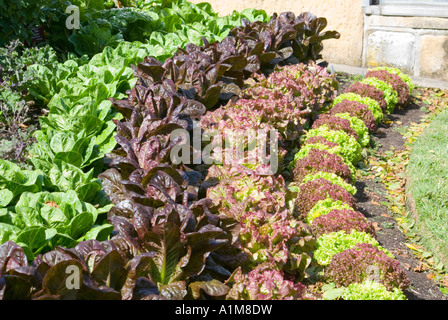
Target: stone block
(433, 56)
(388, 48)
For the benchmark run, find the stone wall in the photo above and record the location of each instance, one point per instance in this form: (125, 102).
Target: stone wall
(417, 45)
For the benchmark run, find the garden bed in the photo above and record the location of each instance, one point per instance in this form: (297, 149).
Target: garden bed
(387, 208)
(115, 189)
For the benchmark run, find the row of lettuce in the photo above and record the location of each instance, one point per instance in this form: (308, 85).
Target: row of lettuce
(78, 131)
(351, 258)
(84, 67)
(161, 238)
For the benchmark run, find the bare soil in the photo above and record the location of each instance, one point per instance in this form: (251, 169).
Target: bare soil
(370, 195)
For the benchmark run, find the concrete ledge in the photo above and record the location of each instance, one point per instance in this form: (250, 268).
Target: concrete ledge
(427, 10)
(419, 81)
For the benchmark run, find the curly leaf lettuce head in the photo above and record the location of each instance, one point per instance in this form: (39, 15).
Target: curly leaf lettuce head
(365, 261)
(390, 94)
(320, 189)
(324, 207)
(406, 78)
(342, 219)
(334, 123)
(322, 160)
(371, 104)
(330, 244)
(275, 109)
(351, 150)
(264, 284)
(371, 290)
(238, 184)
(358, 126)
(277, 240)
(305, 149)
(397, 84)
(355, 109)
(367, 90)
(333, 178)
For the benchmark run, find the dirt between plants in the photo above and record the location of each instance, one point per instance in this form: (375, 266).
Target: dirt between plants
(371, 193)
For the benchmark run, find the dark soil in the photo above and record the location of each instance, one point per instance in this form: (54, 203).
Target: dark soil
(371, 194)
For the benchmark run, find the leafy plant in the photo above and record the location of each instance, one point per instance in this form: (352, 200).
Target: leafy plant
(350, 148)
(309, 86)
(264, 284)
(330, 244)
(371, 104)
(18, 181)
(44, 220)
(334, 123)
(390, 95)
(268, 234)
(104, 273)
(324, 207)
(342, 219)
(311, 192)
(354, 266)
(395, 81)
(17, 18)
(321, 160)
(17, 122)
(406, 78)
(358, 126)
(371, 290)
(355, 109)
(367, 90)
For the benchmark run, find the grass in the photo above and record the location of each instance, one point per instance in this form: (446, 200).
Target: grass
(427, 174)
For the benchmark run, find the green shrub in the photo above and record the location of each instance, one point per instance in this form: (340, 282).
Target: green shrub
(17, 17)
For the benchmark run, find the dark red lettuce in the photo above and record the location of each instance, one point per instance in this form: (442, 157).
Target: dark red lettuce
(395, 81)
(321, 160)
(367, 90)
(320, 189)
(366, 261)
(334, 123)
(355, 109)
(337, 220)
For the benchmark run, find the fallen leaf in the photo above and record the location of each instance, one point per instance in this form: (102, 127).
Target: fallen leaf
(386, 215)
(52, 204)
(406, 266)
(376, 226)
(376, 203)
(414, 246)
(421, 267)
(431, 276)
(444, 282)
